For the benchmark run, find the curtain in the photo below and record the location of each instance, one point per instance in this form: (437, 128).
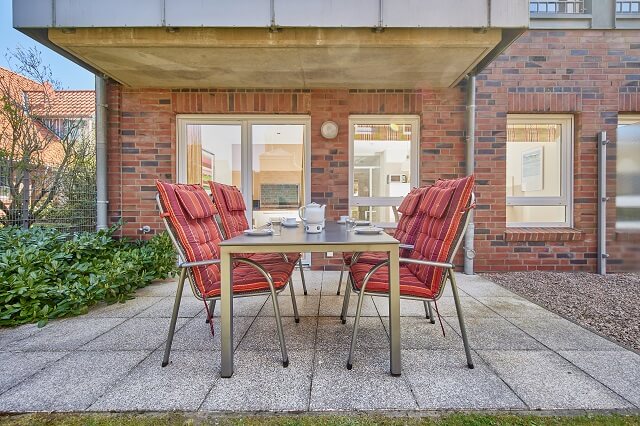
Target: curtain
(194, 154)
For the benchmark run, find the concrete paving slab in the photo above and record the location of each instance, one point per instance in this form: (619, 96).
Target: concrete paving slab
(308, 306)
(67, 334)
(12, 334)
(195, 335)
(181, 385)
(545, 381)
(261, 383)
(440, 379)
(515, 307)
(331, 306)
(476, 286)
(160, 288)
(245, 306)
(313, 279)
(495, 333)
(618, 370)
(446, 306)
(419, 333)
(561, 334)
(71, 384)
(18, 366)
(263, 334)
(332, 334)
(189, 308)
(330, 283)
(368, 386)
(134, 334)
(127, 309)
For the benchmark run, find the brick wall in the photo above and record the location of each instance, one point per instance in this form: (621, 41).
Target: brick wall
(590, 74)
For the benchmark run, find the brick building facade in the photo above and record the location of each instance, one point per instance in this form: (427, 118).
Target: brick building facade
(592, 75)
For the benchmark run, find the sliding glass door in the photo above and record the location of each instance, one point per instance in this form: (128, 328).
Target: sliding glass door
(266, 157)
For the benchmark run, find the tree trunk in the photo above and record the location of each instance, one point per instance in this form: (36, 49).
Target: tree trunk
(26, 191)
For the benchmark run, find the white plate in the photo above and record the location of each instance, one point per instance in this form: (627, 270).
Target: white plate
(258, 232)
(340, 222)
(290, 225)
(363, 223)
(368, 230)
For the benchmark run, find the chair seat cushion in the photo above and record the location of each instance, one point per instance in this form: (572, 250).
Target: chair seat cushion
(410, 285)
(273, 257)
(247, 279)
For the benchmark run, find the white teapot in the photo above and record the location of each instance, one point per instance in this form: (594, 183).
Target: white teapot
(312, 213)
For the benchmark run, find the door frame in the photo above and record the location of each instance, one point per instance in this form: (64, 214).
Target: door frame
(246, 148)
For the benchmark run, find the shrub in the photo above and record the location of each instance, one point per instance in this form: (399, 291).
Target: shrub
(45, 273)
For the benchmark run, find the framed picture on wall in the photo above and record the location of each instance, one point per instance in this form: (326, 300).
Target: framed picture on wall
(532, 163)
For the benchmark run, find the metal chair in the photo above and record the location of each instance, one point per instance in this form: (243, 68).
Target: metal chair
(423, 275)
(405, 232)
(232, 212)
(188, 215)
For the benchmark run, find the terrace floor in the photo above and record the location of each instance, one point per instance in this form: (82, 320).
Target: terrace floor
(526, 358)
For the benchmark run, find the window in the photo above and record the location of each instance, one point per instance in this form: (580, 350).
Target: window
(628, 173)
(384, 165)
(539, 170)
(265, 156)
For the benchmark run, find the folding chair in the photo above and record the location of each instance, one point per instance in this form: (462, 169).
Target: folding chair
(232, 212)
(424, 273)
(188, 215)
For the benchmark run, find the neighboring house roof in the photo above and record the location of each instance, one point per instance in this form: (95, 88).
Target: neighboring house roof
(46, 102)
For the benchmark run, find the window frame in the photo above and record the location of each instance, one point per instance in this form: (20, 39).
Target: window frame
(414, 121)
(625, 119)
(245, 121)
(566, 172)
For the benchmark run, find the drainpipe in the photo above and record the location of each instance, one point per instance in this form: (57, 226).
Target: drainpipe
(101, 153)
(602, 203)
(470, 159)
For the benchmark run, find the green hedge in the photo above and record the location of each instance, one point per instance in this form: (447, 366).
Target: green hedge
(46, 274)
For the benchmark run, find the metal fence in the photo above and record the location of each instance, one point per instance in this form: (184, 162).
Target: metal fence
(627, 6)
(557, 6)
(71, 208)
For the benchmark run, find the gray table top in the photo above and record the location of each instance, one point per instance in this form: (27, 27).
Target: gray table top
(333, 234)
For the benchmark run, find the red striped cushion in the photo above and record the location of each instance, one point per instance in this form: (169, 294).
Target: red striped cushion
(234, 222)
(436, 201)
(233, 198)
(197, 204)
(410, 285)
(410, 202)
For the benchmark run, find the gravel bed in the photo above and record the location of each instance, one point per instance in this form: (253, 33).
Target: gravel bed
(607, 304)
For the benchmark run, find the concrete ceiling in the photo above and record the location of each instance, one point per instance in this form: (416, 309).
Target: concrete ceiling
(290, 58)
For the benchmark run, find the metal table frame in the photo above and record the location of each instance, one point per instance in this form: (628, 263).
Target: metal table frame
(333, 238)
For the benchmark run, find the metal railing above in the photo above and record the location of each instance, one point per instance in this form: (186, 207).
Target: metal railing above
(558, 6)
(628, 6)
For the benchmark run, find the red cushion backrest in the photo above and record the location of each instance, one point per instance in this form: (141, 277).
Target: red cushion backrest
(437, 236)
(436, 201)
(197, 204)
(234, 221)
(406, 231)
(199, 237)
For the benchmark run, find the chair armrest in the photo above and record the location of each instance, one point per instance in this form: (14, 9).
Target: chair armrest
(406, 246)
(426, 262)
(199, 263)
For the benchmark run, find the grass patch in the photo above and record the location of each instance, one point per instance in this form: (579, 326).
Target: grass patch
(168, 419)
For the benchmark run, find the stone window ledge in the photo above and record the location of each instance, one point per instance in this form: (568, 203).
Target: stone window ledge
(543, 234)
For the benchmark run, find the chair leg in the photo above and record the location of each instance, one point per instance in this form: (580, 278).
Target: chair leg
(340, 281)
(429, 309)
(293, 301)
(355, 330)
(304, 284)
(463, 330)
(426, 309)
(345, 301)
(276, 310)
(212, 306)
(174, 317)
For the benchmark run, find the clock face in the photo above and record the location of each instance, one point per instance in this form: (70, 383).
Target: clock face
(329, 129)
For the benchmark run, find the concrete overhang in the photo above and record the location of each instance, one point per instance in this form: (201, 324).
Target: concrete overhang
(352, 43)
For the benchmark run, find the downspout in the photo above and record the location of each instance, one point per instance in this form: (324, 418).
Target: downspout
(101, 153)
(470, 159)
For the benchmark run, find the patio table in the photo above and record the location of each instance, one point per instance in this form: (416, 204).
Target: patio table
(335, 237)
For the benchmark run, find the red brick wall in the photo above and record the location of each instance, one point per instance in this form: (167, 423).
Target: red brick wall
(591, 74)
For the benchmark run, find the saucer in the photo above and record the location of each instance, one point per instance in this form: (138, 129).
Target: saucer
(290, 225)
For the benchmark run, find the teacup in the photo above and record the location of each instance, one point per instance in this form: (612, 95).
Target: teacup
(289, 220)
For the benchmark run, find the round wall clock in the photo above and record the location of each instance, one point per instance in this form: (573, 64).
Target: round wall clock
(329, 129)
